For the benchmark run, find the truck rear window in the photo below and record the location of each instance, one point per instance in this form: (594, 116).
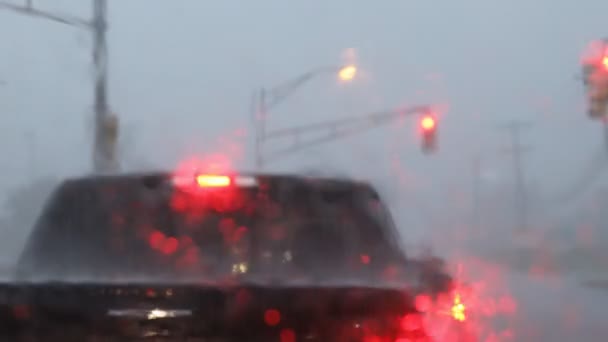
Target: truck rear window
(125, 228)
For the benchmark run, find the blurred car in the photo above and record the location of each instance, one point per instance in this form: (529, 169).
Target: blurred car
(229, 257)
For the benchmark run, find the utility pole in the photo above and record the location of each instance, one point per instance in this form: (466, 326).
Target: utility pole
(106, 124)
(517, 150)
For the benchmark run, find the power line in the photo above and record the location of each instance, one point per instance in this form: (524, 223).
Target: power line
(590, 175)
(106, 124)
(309, 135)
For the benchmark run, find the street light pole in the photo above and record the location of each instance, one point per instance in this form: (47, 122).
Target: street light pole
(106, 124)
(269, 98)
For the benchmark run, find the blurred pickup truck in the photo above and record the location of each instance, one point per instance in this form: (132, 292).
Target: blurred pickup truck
(223, 257)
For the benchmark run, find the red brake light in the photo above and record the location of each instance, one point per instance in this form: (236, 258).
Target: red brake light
(605, 62)
(213, 181)
(458, 309)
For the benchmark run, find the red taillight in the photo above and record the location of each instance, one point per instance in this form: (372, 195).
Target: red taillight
(458, 309)
(446, 316)
(213, 181)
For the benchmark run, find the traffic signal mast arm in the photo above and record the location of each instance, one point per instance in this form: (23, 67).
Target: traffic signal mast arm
(30, 10)
(334, 129)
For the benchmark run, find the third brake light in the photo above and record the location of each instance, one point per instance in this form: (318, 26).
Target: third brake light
(213, 181)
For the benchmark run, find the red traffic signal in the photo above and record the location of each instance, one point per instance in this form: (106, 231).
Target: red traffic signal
(597, 91)
(604, 57)
(428, 128)
(427, 123)
(595, 78)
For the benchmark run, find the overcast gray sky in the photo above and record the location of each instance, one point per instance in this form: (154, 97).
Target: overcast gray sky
(182, 73)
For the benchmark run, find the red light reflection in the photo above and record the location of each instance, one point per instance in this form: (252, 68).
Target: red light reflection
(475, 302)
(411, 322)
(423, 303)
(169, 246)
(272, 317)
(156, 239)
(288, 335)
(159, 242)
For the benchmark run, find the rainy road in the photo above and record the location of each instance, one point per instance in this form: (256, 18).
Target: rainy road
(549, 308)
(558, 310)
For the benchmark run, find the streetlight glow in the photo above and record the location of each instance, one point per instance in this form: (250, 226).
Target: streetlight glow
(266, 98)
(347, 73)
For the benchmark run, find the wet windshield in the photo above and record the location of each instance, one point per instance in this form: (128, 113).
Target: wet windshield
(126, 229)
(482, 126)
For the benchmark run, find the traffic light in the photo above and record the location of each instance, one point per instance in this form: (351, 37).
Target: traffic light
(597, 101)
(428, 132)
(595, 79)
(597, 94)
